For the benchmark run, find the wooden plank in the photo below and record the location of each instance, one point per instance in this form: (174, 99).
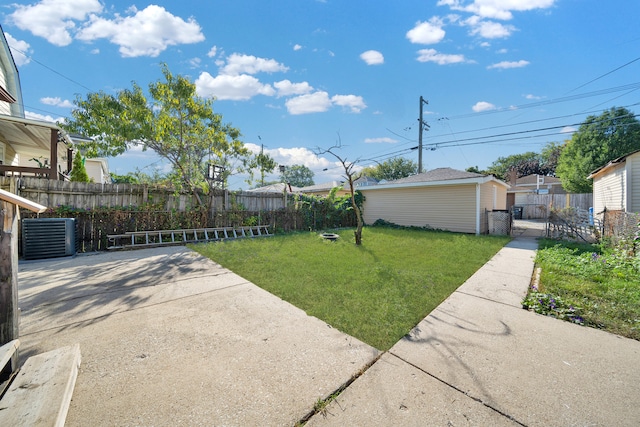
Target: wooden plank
(41, 392)
(7, 352)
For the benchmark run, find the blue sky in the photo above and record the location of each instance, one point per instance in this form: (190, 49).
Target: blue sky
(501, 76)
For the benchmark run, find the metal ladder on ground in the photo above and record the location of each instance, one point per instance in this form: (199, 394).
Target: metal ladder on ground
(145, 239)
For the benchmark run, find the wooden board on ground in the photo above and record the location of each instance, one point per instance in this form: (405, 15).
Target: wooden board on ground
(41, 392)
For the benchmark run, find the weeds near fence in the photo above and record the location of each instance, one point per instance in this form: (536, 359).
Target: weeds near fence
(591, 284)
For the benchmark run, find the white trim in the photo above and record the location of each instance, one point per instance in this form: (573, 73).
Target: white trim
(478, 198)
(460, 181)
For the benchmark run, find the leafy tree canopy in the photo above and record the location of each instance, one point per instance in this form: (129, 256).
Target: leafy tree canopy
(600, 139)
(297, 175)
(528, 163)
(264, 163)
(391, 169)
(174, 122)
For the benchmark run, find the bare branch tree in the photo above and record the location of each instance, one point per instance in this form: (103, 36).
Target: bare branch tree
(351, 176)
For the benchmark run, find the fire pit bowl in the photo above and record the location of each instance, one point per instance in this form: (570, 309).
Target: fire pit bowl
(330, 236)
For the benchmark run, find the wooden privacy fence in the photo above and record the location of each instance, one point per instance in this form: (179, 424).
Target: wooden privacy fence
(538, 206)
(94, 196)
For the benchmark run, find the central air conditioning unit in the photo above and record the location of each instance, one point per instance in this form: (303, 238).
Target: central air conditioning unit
(48, 237)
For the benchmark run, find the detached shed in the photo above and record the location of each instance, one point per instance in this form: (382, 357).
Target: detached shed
(616, 185)
(444, 198)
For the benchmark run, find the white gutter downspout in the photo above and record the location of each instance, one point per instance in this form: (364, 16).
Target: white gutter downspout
(477, 209)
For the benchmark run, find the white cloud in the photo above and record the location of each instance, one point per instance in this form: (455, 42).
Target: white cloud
(286, 88)
(502, 51)
(483, 106)
(496, 9)
(352, 102)
(372, 57)
(44, 118)
(383, 140)
(533, 97)
(297, 47)
(18, 50)
(509, 64)
(147, 33)
(54, 20)
(212, 52)
(317, 102)
(249, 64)
(57, 102)
(432, 55)
(236, 88)
(195, 62)
(430, 32)
(488, 29)
(294, 156)
(568, 129)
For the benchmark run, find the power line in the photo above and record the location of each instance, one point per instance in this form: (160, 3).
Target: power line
(605, 74)
(457, 142)
(51, 69)
(552, 101)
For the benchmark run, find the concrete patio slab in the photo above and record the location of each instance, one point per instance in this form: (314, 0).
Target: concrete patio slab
(171, 338)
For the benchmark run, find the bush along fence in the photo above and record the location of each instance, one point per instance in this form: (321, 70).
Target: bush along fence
(301, 213)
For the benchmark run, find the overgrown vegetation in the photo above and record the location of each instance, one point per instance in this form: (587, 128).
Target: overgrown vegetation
(594, 285)
(375, 292)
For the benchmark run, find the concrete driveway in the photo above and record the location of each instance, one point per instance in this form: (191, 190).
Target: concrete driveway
(171, 338)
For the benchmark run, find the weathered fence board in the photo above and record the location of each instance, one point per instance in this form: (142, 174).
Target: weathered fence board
(538, 206)
(94, 196)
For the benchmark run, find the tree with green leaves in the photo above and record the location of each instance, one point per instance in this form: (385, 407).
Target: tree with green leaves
(173, 121)
(600, 139)
(391, 169)
(78, 169)
(297, 176)
(351, 175)
(265, 163)
(529, 163)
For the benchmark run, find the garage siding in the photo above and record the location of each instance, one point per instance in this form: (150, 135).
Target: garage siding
(447, 207)
(609, 190)
(487, 202)
(634, 182)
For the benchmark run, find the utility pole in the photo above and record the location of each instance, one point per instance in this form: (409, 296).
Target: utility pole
(421, 126)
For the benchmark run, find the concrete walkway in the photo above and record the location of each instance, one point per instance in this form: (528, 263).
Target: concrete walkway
(479, 359)
(171, 338)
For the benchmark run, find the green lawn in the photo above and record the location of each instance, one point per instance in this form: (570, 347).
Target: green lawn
(376, 292)
(590, 285)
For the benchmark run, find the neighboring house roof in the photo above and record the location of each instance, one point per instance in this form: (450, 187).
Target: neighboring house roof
(611, 164)
(532, 182)
(319, 188)
(440, 176)
(275, 188)
(364, 181)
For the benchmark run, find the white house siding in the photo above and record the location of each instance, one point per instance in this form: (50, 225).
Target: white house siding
(609, 189)
(492, 197)
(633, 175)
(446, 207)
(5, 107)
